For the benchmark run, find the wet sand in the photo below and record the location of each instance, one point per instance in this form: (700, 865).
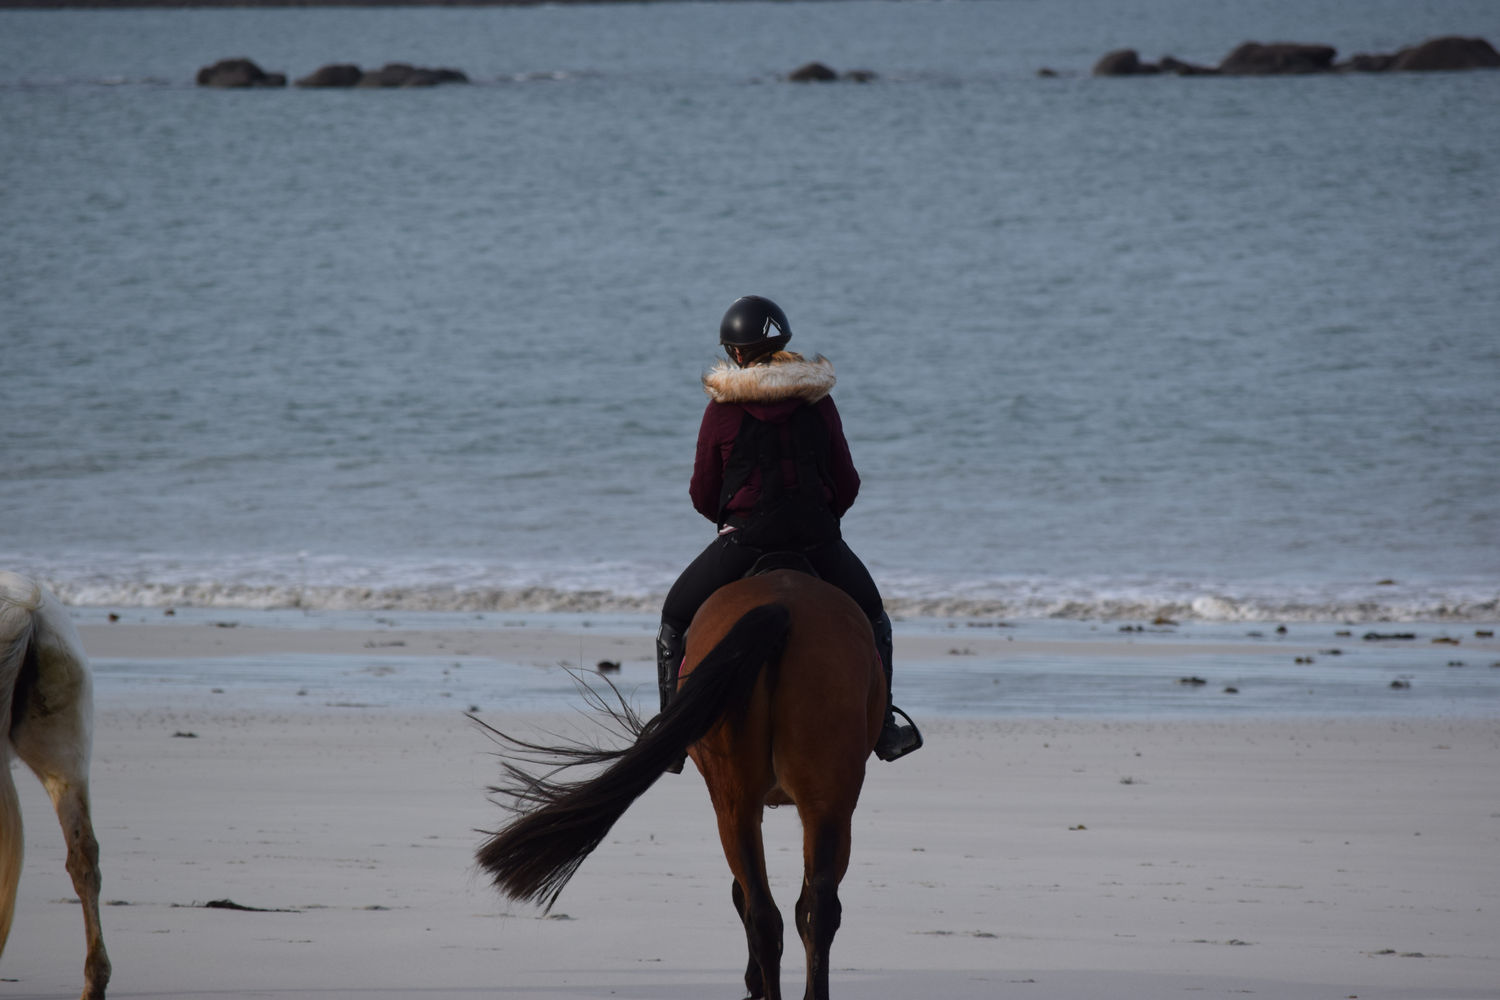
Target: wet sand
(1009, 858)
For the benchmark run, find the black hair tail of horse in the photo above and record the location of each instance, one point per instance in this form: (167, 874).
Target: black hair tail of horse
(560, 823)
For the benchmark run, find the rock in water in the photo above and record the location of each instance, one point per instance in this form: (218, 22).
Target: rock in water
(813, 72)
(1450, 52)
(238, 73)
(1255, 59)
(333, 75)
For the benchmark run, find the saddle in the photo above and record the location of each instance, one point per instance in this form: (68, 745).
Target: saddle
(775, 560)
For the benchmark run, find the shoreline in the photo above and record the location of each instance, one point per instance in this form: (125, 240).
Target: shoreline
(230, 639)
(173, 631)
(287, 661)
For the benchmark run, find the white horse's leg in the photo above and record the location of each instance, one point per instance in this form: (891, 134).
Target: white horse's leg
(53, 733)
(71, 798)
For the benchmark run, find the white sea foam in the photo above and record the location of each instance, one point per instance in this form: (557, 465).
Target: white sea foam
(1075, 600)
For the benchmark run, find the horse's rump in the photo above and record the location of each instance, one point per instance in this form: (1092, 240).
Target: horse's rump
(827, 680)
(19, 600)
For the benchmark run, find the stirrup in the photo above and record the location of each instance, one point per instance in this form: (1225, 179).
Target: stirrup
(909, 735)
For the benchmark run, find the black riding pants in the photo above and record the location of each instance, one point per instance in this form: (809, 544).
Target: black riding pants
(726, 560)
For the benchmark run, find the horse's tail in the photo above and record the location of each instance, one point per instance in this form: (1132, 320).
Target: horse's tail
(12, 842)
(18, 666)
(561, 823)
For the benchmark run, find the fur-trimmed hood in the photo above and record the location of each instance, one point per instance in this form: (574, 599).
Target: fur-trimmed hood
(789, 376)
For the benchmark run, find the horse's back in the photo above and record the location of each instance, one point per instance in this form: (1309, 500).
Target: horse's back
(19, 600)
(19, 590)
(830, 647)
(30, 612)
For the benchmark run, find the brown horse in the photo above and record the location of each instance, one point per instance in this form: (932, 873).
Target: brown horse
(780, 700)
(46, 709)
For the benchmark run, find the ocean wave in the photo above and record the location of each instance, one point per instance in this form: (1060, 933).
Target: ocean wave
(1204, 609)
(1061, 603)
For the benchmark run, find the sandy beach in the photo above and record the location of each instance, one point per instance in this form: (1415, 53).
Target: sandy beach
(1030, 858)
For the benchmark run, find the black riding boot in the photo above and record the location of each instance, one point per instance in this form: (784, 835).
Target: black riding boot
(896, 740)
(668, 660)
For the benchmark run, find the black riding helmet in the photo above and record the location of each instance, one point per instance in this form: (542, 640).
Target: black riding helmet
(753, 328)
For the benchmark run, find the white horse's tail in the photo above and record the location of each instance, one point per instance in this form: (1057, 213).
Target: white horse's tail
(19, 599)
(11, 844)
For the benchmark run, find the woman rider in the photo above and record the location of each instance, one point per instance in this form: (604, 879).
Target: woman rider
(773, 471)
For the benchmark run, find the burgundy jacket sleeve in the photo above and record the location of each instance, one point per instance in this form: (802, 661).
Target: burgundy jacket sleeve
(716, 434)
(845, 479)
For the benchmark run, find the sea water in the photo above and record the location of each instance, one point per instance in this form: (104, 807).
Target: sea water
(1223, 350)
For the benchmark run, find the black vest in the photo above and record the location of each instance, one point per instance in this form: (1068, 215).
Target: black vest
(786, 515)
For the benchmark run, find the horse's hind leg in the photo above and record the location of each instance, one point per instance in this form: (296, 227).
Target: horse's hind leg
(752, 900)
(819, 912)
(755, 980)
(71, 799)
(53, 735)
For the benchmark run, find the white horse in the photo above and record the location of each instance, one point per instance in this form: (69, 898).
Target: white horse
(46, 716)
